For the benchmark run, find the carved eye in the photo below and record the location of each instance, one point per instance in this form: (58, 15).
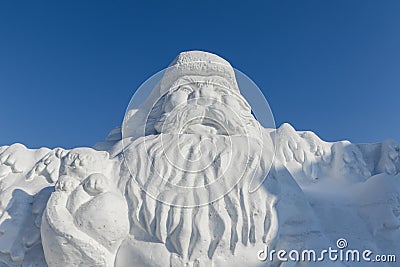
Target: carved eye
(76, 162)
(186, 89)
(178, 97)
(83, 162)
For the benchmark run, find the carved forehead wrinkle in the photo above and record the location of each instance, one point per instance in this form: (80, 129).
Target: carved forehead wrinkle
(219, 81)
(201, 80)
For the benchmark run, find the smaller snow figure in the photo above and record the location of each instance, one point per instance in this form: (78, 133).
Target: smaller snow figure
(86, 217)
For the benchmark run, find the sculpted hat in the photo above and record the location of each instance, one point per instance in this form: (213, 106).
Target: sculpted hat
(198, 63)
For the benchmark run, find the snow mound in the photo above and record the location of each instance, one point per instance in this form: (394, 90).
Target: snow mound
(316, 182)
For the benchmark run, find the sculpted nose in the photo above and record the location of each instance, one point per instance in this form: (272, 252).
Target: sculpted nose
(204, 101)
(206, 96)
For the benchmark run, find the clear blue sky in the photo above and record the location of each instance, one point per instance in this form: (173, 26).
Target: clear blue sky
(69, 68)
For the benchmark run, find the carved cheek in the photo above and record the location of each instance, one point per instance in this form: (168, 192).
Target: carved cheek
(213, 96)
(231, 102)
(176, 99)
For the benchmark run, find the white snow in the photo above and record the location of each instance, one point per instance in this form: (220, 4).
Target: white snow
(107, 206)
(326, 190)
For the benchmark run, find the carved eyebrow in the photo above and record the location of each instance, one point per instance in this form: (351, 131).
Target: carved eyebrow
(182, 82)
(185, 86)
(219, 81)
(210, 80)
(189, 80)
(223, 90)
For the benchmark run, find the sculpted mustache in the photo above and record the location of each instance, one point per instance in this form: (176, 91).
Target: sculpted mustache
(180, 117)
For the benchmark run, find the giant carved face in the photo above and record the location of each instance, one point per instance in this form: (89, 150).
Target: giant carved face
(197, 94)
(204, 105)
(195, 137)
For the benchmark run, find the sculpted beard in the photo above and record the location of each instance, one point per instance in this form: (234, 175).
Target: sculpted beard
(215, 119)
(195, 147)
(200, 155)
(168, 172)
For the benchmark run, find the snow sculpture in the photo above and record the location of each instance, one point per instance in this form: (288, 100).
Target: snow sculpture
(86, 217)
(195, 156)
(196, 205)
(175, 186)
